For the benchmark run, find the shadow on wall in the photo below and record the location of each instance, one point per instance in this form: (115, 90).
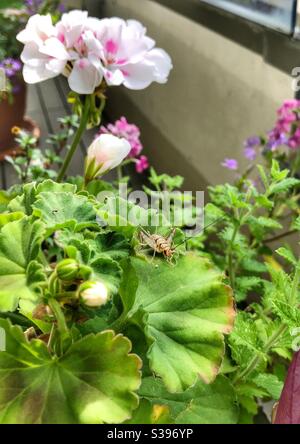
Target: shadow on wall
(218, 94)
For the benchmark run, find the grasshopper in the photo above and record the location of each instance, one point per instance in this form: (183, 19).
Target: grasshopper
(159, 244)
(164, 245)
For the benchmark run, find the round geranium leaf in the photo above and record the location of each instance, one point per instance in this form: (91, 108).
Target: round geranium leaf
(188, 309)
(93, 382)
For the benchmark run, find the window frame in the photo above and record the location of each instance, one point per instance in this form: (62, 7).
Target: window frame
(277, 49)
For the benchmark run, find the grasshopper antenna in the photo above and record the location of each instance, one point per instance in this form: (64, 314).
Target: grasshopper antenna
(207, 226)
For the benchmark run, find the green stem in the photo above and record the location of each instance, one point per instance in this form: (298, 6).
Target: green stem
(77, 138)
(119, 173)
(231, 271)
(256, 359)
(119, 324)
(280, 236)
(61, 322)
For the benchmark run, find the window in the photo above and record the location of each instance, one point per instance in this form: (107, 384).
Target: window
(276, 14)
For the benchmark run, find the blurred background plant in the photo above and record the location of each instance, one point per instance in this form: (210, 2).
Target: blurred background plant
(13, 17)
(34, 163)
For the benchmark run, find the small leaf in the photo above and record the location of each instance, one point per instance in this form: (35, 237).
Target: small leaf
(24, 201)
(267, 222)
(287, 254)
(270, 383)
(58, 210)
(284, 186)
(107, 271)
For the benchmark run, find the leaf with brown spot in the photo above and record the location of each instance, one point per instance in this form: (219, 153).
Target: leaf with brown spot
(94, 382)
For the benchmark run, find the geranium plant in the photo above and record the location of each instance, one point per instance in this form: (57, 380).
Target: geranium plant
(97, 329)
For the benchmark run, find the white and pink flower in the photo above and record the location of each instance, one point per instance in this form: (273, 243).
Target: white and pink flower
(129, 131)
(44, 56)
(118, 51)
(104, 154)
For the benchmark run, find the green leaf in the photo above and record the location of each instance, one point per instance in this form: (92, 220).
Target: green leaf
(64, 209)
(19, 245)
(253, 265)
(93, 382)
(287, 254)
(262, 200)
(267, 222)
(202, 404)
(188, 310)
(150, 414)
(104, 268)
(263, 176)
(11, 4)
(110, 244)
(296, 224)
(48, 186)
(124, 216)
(245, 340)
(5, 218)
(24, 201)
(270, 383)
(276, 174)
(284, 186)
(244, 284)
(107, 271)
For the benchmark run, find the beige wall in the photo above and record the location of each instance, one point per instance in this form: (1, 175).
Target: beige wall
(218, 94)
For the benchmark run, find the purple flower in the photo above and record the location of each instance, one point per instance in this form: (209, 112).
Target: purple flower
(11, 66)
(32, 6)
(250, 153)
(252, 142)
(249, 147)
(276, 139)
(230, 164)
(61, 8)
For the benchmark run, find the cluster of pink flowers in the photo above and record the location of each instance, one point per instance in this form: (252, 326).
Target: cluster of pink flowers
(88, 50)
(122, 129)
(285, 133)
(287, 127)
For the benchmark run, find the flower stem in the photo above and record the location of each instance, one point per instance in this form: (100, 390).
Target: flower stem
(61, 322)
(77, 138)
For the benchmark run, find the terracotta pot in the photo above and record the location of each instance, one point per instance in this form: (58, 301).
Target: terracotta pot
(12, 115)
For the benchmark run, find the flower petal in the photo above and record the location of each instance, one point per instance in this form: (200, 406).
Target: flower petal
(84, 77)
(162, 63)
(38, 29)
(54, 48)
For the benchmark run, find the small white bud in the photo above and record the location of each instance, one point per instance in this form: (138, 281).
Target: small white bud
(94, 294)
(104, 154)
